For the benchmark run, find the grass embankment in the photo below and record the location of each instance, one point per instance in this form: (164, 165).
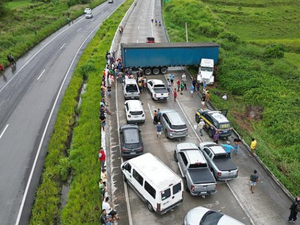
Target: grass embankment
(23, 24)
(81, 160)
(261, 80)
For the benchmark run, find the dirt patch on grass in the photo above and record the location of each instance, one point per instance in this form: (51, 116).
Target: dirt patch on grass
(243, 121)
(254, 112)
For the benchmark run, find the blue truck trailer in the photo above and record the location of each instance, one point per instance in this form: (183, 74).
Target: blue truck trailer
(155, 58)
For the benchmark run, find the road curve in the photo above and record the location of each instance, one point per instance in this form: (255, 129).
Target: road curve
(30, 97)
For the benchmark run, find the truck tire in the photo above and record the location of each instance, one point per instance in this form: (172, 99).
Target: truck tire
(175, 157)
(147, 71)
(163, 70)
(155, 71)
(125, 179)
(166, 134)
(210, 133)
(150, 207)
(185, 184)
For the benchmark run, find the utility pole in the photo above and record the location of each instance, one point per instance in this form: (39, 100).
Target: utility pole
(186, 33)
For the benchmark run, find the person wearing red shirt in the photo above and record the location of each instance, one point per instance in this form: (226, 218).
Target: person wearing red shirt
(102, 158)
(175, 94)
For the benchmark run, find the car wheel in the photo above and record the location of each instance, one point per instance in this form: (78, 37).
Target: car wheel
(210, 133)
(149, 206)
(164, 70)
(197, 118)
(186, 187)
(125, 179)
(155, 71)
(175, 156)
(166, 134)
(147, 71)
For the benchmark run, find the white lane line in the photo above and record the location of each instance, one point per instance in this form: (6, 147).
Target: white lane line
(78, 29)
(46, 127)
(125, 185)
(62, 45)
(137, 41)
(138, 27)
(150, 111)
(4, 130)
(41, 75)
(141, 17)
(152, 32)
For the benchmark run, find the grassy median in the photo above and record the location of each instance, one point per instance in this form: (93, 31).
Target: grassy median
(258, 69)
(80, 161)
(25, 23)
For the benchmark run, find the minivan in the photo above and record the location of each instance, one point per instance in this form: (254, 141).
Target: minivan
(173, 125)
(131, 89)
(134, 111)
(155, 183)
(131, 141)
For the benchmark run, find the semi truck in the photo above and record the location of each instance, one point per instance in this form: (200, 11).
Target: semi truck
(155, 58)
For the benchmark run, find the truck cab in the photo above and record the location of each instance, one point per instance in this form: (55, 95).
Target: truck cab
(206, 71)
(198, 179)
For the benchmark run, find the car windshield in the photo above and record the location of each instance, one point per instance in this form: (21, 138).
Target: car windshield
(197, 165)
(136, 112)
(221, 156)
(131, 88)
(182, 126)
(211, 218)
(159, 86)
(208, 69)
(131, 136)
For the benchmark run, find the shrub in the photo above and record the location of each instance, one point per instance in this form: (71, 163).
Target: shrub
(229, 36)
(274, 51)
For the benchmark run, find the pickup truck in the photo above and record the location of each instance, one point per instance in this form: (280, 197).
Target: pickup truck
(199, 180)
(219, 161)
(158, 90)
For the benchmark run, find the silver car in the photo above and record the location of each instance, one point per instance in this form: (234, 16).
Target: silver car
(173, 125)
(89, 15)
(203, 216)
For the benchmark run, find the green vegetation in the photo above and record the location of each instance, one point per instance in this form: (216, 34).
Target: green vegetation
(25, 23)
(258, 69)
(80, 161)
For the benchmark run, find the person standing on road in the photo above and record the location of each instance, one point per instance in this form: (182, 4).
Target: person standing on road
(227, 147)
(253, 181)
(194, 82)
(102, 118)
(192, 89)
(172, 79)
(1, 68)
(102, 158)
(178, 84)
(207, 96)
(169, 85)
(175, 94)
(295, 208)
(155, 117)
(183, 79)
(158, 129)
(253, 145)
(217, 136)
(181, 88)
(203, 101)
(200, 126)
(236, 145)
(158, 114)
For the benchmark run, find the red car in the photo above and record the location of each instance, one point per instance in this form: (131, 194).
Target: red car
(150, 40)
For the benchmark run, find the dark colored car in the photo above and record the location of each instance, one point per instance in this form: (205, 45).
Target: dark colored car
(150, 40)
(214, 120)
(131, 141)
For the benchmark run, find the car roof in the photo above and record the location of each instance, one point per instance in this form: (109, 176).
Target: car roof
(218, 116)
(195, 215)
(134, 105)
(174, 117)
(160, 175)
(217, 149)
(130, 81)
(156, 81)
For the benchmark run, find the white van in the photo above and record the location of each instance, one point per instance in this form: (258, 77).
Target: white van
(156, 184)
(206, 72)
(134, 111)
(131, 89)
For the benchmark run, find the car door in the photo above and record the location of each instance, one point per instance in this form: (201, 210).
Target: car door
(126, 109)
(149, 84)
(182, 160)
(127, 171)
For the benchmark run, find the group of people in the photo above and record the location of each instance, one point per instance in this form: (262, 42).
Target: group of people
(12, 62)
(157, 22)
(110, 73)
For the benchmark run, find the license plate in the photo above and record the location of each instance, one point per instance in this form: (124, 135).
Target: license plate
(225, 131)
(135, 117)
(132, 153)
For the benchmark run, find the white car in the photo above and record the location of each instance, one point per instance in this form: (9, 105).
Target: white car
(201, 216)
(89, 15)
(87, 10)
(134, 111)
(158, 90)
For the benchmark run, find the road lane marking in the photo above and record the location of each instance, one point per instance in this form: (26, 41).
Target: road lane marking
(29, 60)
(137, 41)
(150, 111)
(4, 130)
(41, 75)
(62, 46)
(138, 27)
(78, 29)
(46, 127)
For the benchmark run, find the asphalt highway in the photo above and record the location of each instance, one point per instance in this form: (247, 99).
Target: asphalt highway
(267, 206)
(30, 96)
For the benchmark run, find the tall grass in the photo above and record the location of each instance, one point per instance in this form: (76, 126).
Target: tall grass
(81, 160)
(254, 76)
